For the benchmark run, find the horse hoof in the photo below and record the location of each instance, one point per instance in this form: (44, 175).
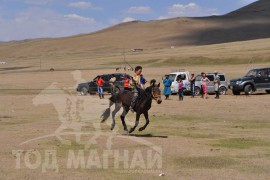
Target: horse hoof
(141, 129)
(131, 131)
(112, 127)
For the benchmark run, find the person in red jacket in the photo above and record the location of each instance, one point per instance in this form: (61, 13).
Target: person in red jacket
(127, 83)
(100, 83)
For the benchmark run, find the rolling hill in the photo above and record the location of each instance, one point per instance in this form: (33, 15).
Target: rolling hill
(248, 23)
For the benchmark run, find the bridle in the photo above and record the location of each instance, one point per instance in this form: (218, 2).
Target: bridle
(153, 96)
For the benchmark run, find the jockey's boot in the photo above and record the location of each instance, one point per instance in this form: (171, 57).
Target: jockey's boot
(133, 102)
(132, 105)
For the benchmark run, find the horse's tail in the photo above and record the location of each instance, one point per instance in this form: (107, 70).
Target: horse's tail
(106, 114)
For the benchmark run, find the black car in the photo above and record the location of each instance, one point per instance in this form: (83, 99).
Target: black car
(91, 87)
(255, 79)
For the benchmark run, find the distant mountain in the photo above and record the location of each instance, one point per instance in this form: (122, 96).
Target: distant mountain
(257, 9)
(248, 23)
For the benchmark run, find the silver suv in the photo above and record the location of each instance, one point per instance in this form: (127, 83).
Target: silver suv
(211, 88)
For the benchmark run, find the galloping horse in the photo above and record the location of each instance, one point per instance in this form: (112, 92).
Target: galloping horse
(143, 105)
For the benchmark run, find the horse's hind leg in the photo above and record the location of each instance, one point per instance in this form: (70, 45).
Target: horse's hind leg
(117, 108)
(147, 121)
(123, 115)
(136, 123)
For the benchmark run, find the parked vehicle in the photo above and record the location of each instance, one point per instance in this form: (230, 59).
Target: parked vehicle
(91, 86)
(223, 87)
(175, 76)
(255, 79)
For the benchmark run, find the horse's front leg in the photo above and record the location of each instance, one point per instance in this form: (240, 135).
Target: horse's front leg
(136, 123)
(123, 115)
(147, 121)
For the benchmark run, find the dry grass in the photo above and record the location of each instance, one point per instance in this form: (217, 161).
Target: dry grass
(210, 55)
(226, 138)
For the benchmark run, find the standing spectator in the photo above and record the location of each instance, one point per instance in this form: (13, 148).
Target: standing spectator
(192, 85)
(167, 89)
(217, 84)
(112, 83)
(204, 81)
(127, 83)
(181, 89)
(201, 91)
(100, 83)
(143, 82)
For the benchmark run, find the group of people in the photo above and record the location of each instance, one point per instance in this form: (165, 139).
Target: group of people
(138, 82)
(100, 82)
(181, 86)
(130, 84)
(167, 82)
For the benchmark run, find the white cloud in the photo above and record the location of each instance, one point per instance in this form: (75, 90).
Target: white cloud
(79, 18)
(81, 4)
(39, 23)
(180, 9)
(128, 19)
(139, 10)
(188, 10)
(37, 2)
(162, 17)
(84, 5)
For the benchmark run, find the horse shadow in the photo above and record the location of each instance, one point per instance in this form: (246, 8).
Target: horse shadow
(148, 135)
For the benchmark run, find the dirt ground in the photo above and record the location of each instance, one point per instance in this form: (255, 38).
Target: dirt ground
(195, 139)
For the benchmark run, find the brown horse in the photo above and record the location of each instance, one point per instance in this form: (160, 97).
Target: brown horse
(143, 105)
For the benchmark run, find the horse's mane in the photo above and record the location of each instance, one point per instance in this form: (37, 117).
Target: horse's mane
(148, 89)
(145, 93)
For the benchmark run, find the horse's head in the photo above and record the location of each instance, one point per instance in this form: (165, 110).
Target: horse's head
(156, 92)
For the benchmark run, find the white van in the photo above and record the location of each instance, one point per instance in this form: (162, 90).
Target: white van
(175, 76)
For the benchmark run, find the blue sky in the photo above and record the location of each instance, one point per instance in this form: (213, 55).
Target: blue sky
(25, 19)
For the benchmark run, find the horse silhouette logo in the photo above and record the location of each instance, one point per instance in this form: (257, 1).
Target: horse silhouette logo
(74, 113)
